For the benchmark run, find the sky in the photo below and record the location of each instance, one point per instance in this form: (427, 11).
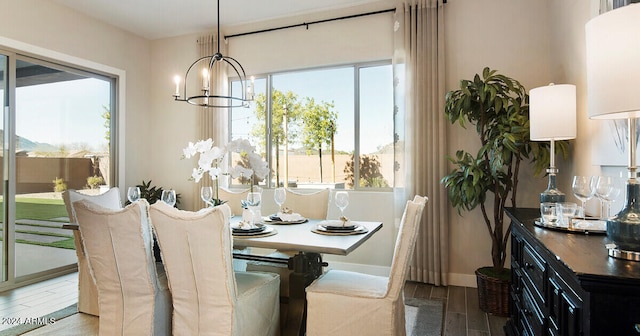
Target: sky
(68, 112)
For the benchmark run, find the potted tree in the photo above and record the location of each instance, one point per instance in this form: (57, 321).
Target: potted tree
(498, 107)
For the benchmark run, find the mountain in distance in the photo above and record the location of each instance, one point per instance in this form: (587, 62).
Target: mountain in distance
(27, 145)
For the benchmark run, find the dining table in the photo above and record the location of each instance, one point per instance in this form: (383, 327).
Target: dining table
(309, 244)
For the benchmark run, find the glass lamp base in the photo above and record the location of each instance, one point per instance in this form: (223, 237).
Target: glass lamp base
(624, 228)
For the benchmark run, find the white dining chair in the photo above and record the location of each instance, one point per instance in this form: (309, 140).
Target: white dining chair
(233, 198)
(309, 205)
(209, 297)
(350, 303)
(133, 296)
(87, 292)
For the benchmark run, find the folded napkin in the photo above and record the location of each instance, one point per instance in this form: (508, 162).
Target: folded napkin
(242, 225)
(289, 217)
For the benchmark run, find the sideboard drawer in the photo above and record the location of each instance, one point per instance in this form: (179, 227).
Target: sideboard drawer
(534, 319)
(534, 269)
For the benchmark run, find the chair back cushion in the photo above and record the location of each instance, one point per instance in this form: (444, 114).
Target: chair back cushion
(196, 251)
(313, 205)
(118, 247)
(109, 199)
(405, 243)
(233, 199)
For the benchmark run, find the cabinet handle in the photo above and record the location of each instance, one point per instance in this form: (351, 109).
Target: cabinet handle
(528, 265)
(527, 313)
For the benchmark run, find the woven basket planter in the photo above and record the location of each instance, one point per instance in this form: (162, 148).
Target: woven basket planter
(493, 294)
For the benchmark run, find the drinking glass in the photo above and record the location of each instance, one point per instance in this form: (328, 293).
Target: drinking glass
(280, 196)
(607, 189)
(206, 193)
(169, 197)
(133, 194)
(583, 188)
(549, 213)
(566, 211)
(253, 203)
(342, 201)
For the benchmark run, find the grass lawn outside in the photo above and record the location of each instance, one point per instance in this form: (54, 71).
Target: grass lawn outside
(45, 209)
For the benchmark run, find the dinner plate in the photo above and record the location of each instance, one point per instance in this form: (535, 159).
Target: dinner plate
(258, 228)
(340, 227)
(322, 230)
(268, 231)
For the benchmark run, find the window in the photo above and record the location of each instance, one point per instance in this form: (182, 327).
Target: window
(311, 124)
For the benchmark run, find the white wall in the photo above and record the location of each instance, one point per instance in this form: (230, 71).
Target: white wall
(514, 38)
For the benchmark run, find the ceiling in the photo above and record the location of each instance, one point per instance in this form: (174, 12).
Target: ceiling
(154, 19)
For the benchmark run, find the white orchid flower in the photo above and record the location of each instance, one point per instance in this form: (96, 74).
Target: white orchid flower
(196, 175)
(240, 146)
(238, 171)
(189, 151)
(214, 173)
(259, 166)
(204, 145)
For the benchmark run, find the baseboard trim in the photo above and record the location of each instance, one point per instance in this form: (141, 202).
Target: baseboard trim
(463, 280)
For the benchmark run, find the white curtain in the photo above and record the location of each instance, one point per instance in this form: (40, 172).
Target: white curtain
(213, 121)
(420, 130)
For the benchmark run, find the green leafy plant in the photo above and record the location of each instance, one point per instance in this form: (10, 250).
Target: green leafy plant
(94, 181)
(59, 185)
(152, 193)
(498, 106)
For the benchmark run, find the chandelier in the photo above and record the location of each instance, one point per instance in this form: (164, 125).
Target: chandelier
(206, 97)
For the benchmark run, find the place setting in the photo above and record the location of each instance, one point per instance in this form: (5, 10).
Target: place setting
(247, 227)
(285, 215)
(343, 226)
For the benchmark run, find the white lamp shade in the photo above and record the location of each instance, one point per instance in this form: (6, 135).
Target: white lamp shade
(552, 112)
(613, 64)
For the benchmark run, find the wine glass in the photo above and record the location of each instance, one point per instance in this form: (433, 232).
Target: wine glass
(133, 194)
(206, 193)
(583, 188)
(280, 196)
(342, 201)
(169, 197)
(607, 189)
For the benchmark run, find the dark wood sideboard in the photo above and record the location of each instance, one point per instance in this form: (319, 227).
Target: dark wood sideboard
(566, 284)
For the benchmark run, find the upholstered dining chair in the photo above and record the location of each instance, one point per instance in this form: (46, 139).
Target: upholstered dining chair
(351, 303)
(209, 298)
(133, 295)
(309, 205)
(87, 292)
(233, 198)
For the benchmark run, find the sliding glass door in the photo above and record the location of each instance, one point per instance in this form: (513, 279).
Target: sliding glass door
(57, 137)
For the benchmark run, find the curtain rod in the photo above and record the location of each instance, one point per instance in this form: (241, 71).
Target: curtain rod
(306, 24)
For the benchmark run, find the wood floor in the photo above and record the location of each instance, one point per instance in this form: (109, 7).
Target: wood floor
(462, 316)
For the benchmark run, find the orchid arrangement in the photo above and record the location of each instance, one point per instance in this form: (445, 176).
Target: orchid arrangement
(257, 167)
(210, 158)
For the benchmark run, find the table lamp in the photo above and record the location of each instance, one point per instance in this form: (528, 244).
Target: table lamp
(552, 116)
(613, 75)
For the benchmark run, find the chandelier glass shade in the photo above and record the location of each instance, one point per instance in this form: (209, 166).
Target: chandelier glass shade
(208, 94)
